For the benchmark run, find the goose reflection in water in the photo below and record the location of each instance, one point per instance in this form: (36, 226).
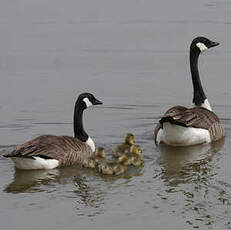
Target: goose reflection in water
(180, 164)
(33, 181)
(83, 185)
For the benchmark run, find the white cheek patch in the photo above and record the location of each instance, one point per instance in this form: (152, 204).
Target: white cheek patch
(87, 102)
(201, 46)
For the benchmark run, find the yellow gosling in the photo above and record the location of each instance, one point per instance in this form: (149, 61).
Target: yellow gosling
(100, 156)
(89, 163)
(113, 168)
(105, 169)
(125, 147)
(134, 157)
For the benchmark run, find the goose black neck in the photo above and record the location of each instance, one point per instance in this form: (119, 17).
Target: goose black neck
(79, 131)
(198, 92)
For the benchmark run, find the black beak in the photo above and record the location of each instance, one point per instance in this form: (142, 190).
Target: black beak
(213, 44)
(97, 102)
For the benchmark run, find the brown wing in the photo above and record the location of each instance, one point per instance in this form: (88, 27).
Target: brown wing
(175, 112)
(197, 117)
(67, 150)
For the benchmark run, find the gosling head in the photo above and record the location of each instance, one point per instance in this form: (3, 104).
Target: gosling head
(100, 152)
(129, 139)
(106, 170)
(201, 44)
(135, 149)
(123, 160)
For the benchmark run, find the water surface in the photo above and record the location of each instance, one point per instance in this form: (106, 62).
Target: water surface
(133, 56)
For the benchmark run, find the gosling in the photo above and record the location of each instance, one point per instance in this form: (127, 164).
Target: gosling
(134, 157)
(98, 158)
(124, 147)
(114, 168)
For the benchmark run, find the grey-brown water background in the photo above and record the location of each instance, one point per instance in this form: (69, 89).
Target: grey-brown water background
(133, 55)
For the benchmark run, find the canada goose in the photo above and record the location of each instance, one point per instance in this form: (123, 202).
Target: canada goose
(89, 163)
(137, 159)
(120, 168)
(182, 126)
(125, 147)
(105, 169)
(49, 151)
(134, 157)
(113, 168)
(99, 157)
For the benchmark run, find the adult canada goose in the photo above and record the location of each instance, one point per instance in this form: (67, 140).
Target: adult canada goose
(182, 126)
(49, 151)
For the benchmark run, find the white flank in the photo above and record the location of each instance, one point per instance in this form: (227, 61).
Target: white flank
(36, 163)
(176, 135)
(201, 46)
(91, 143)
(87, 102)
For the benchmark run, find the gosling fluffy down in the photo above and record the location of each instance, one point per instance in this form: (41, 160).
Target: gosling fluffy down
(124, 147)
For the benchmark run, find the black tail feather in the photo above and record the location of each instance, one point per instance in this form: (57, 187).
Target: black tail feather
(171, 120)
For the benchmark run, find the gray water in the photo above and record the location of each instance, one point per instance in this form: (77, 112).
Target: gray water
(133, 55)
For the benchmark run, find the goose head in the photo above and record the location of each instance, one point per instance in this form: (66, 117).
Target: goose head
(86, 100)
(201, 44)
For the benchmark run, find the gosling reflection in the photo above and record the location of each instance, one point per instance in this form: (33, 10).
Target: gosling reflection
(179, 164)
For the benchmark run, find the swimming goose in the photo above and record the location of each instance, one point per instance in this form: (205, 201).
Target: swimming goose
(181, 126)
(49, 151)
